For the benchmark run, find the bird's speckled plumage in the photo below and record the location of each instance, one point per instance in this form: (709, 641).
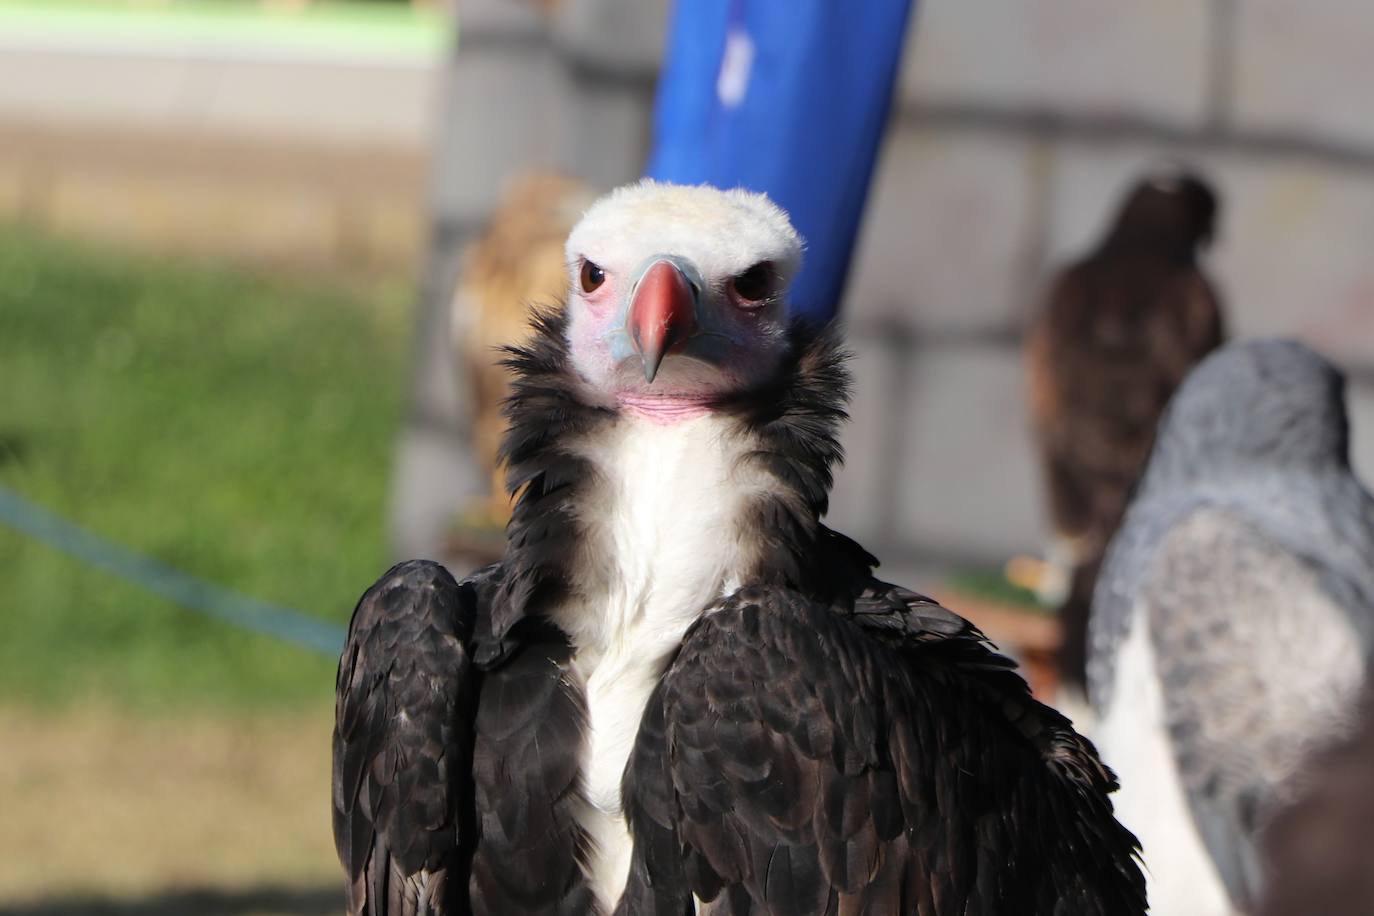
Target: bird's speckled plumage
(1245, 569)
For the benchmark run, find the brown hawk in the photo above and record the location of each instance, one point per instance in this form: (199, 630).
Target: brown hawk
(1116, 335)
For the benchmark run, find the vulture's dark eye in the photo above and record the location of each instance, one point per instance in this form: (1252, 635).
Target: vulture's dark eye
(592, 276)
(755, 284)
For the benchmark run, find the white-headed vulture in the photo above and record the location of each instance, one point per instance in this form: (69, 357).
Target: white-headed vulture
(679, 692)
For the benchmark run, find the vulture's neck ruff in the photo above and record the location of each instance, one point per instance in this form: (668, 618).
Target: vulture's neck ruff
(627, 526)
(784, 435)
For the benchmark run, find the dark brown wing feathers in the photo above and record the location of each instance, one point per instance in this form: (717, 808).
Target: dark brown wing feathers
(455, 789)
(885, 762)
(402, 744)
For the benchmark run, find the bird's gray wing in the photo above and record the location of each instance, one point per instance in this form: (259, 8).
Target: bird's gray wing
(798, 759)
(1257, 666)
(404, 708)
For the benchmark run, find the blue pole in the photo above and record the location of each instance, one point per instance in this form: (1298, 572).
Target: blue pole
(174, 585)
(788, 98)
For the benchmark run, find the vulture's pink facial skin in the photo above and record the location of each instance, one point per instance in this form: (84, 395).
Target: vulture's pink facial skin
(659, 342)
(683, 301)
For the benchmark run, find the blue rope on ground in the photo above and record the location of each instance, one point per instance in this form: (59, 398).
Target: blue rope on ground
(191, 593)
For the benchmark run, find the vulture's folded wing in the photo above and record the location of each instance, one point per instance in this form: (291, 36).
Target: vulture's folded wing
(404, 709)
(801, 760)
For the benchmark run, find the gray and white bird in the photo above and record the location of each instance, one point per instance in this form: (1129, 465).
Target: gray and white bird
(1233, 622)
(680, 692)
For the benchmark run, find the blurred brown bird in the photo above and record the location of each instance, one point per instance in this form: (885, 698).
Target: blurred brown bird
(1321, 851)
(516, 263)
(1114, 338)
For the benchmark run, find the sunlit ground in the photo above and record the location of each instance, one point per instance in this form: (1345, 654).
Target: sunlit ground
(111, 813)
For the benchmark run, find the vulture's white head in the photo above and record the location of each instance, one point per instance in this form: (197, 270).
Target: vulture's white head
(677, 294)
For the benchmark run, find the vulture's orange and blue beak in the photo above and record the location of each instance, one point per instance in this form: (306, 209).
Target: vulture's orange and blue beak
(662, 314)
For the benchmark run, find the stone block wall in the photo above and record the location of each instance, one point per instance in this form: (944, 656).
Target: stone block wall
(1017, 128)
(1067, 57)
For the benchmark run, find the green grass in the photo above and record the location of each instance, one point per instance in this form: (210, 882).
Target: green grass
(352, 26)
(238, 427)
(992, 585)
